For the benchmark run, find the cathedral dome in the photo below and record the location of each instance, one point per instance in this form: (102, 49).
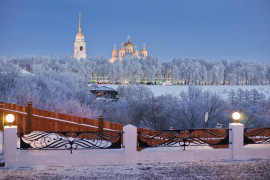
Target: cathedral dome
(80, 34)
(143, 50)
(128, 44)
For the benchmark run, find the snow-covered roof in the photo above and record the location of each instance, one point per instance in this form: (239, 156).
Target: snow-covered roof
(24, 73)
(103, 88)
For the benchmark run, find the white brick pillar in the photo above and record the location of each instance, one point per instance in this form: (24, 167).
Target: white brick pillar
(236, 139)
(130, 144)
(10, 145)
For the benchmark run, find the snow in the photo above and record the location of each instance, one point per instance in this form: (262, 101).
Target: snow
(24, 73)
(102, 88)
(221, 90)
(223, 169)
(176, 148)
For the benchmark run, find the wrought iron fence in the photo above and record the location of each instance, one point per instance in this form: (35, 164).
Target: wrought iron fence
(216, 138)
(71, 140)
(256, 135)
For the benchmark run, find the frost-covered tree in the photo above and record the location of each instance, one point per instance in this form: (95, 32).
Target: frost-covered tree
(191, 114)
(151, 68)
(132, 68)
(61, 85)
(253, 106)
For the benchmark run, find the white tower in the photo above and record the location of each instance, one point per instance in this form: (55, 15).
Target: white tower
(79, 45)
(114, 54)
(144, 52)
(128, 47)
(121, 51)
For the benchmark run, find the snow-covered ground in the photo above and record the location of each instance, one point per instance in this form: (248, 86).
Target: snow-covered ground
(236, 169)
(221, 90)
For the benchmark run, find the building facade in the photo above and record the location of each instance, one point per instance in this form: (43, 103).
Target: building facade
(127, 49)
(79, 44)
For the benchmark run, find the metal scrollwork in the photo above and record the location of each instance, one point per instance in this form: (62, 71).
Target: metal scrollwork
(183, 138)
(257, 135)
(71, 140)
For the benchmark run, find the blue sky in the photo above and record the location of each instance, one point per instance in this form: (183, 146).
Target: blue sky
(211, 29)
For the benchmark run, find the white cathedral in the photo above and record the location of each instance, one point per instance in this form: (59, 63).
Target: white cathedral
(126, 49)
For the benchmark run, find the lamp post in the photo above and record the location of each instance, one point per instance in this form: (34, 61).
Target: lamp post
(236, 116)
(10, 119)
(206, 117)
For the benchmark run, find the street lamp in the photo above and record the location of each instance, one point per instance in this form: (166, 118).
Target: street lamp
(236, 116)
(10, 118)
(206, 117)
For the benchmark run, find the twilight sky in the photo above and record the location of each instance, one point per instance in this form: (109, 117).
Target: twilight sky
(211, 29)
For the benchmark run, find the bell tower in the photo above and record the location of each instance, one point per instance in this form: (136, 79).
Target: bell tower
(144, 52)
(79, 44)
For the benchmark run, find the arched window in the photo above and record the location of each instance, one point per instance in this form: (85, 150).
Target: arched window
(81, 48)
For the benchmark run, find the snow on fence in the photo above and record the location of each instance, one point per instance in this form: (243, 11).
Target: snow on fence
(128, 154)
(30, 119)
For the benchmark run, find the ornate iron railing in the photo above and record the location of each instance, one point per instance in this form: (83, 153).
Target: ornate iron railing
(256, 135)
(71, 140)
(215, 138)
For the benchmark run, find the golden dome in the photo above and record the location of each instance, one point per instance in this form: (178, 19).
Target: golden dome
(128, 44)
(143, 50)
(80, 34)
(135, 50)
(114, 49)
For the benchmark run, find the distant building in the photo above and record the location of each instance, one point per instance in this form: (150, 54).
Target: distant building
(127, 49)
(105, 93)
(79, 44)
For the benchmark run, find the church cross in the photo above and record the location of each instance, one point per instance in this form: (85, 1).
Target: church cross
(143, 45)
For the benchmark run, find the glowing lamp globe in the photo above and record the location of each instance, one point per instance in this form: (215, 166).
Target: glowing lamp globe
(10, 119)
(236, 116)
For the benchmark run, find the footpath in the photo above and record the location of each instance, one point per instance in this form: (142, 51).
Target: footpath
(224, 169)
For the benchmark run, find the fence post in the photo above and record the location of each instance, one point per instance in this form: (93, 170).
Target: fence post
(10, 145)
(236, 137)
(130, 144)
(29, 111)
(100, 123)
(2, 116)
(171, 133)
